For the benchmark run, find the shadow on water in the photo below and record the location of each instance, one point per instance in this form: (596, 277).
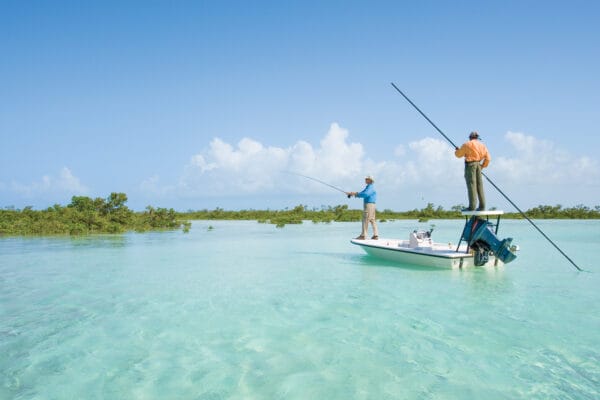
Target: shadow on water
(488, 282)
(479, 278)
(362, 259)
(370, 261)
(339, 256)
(25, 245)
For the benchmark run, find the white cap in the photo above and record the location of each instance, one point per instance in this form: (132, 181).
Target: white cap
(370, 177)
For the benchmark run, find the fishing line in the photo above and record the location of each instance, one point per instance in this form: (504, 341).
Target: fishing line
(490, 181)
(316, 180)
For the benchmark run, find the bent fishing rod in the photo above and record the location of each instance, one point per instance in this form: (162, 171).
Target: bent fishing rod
(317, 180)
(490, 181)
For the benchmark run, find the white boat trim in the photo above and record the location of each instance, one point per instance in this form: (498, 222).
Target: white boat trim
(442, 255)
(489, 212)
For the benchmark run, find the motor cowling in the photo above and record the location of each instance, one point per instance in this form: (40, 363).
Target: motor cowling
(481, 238)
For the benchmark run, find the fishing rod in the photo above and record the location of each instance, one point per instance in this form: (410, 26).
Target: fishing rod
(490, 181)
(317, 180)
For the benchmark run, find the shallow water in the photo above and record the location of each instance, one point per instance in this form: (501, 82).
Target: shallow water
(250, 311)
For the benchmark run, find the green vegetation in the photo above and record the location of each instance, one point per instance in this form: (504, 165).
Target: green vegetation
(557, 212)
(85, 216)
(341, 213)
(279, 218)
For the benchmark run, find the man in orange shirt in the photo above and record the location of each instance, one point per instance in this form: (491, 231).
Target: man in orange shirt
(476, 157)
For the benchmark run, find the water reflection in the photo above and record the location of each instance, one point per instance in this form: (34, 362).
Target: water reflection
(25, 245)
(484, 281)
(112, 241)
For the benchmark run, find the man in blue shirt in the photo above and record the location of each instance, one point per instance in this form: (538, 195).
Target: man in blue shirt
(369, 196)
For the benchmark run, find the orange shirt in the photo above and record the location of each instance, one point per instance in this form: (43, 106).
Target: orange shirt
(474, 150)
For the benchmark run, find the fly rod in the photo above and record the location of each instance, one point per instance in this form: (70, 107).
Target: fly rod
(317, 180)
(490, 181)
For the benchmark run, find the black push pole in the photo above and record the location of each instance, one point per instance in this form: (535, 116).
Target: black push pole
(490, 181)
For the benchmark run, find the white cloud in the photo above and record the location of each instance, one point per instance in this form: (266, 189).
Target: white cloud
(251, 167)
(536, 161)
(421, 171)
(65, 182)
(336, 157)
(400, 150)
(68, 182)
(199, 161)
(433, 161)
(153, 187)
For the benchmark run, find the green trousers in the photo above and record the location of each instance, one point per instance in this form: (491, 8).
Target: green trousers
(474, 181)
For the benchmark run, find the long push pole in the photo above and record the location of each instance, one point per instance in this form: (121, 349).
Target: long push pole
(490, 181)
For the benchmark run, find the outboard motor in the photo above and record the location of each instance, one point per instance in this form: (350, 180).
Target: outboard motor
(481, 238)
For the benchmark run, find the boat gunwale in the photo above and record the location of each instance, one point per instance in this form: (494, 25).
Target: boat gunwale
(449, 256)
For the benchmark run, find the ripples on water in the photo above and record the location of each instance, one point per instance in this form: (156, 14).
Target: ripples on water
(246, 310)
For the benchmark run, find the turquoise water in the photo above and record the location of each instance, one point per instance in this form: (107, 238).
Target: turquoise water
(249, 311)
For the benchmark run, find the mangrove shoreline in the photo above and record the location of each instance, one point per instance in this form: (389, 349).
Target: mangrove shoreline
(84, 216)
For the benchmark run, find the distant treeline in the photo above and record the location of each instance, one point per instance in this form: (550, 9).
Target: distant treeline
(87, 216)
(341, 213)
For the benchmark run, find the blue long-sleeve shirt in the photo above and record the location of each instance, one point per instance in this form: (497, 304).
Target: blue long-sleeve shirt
(369, 195)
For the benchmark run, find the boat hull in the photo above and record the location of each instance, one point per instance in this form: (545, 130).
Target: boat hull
(439, 255)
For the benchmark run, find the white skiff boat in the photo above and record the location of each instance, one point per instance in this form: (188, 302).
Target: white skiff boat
(481, 246)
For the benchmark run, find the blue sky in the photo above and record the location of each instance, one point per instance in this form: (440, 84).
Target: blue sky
(196, 105)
